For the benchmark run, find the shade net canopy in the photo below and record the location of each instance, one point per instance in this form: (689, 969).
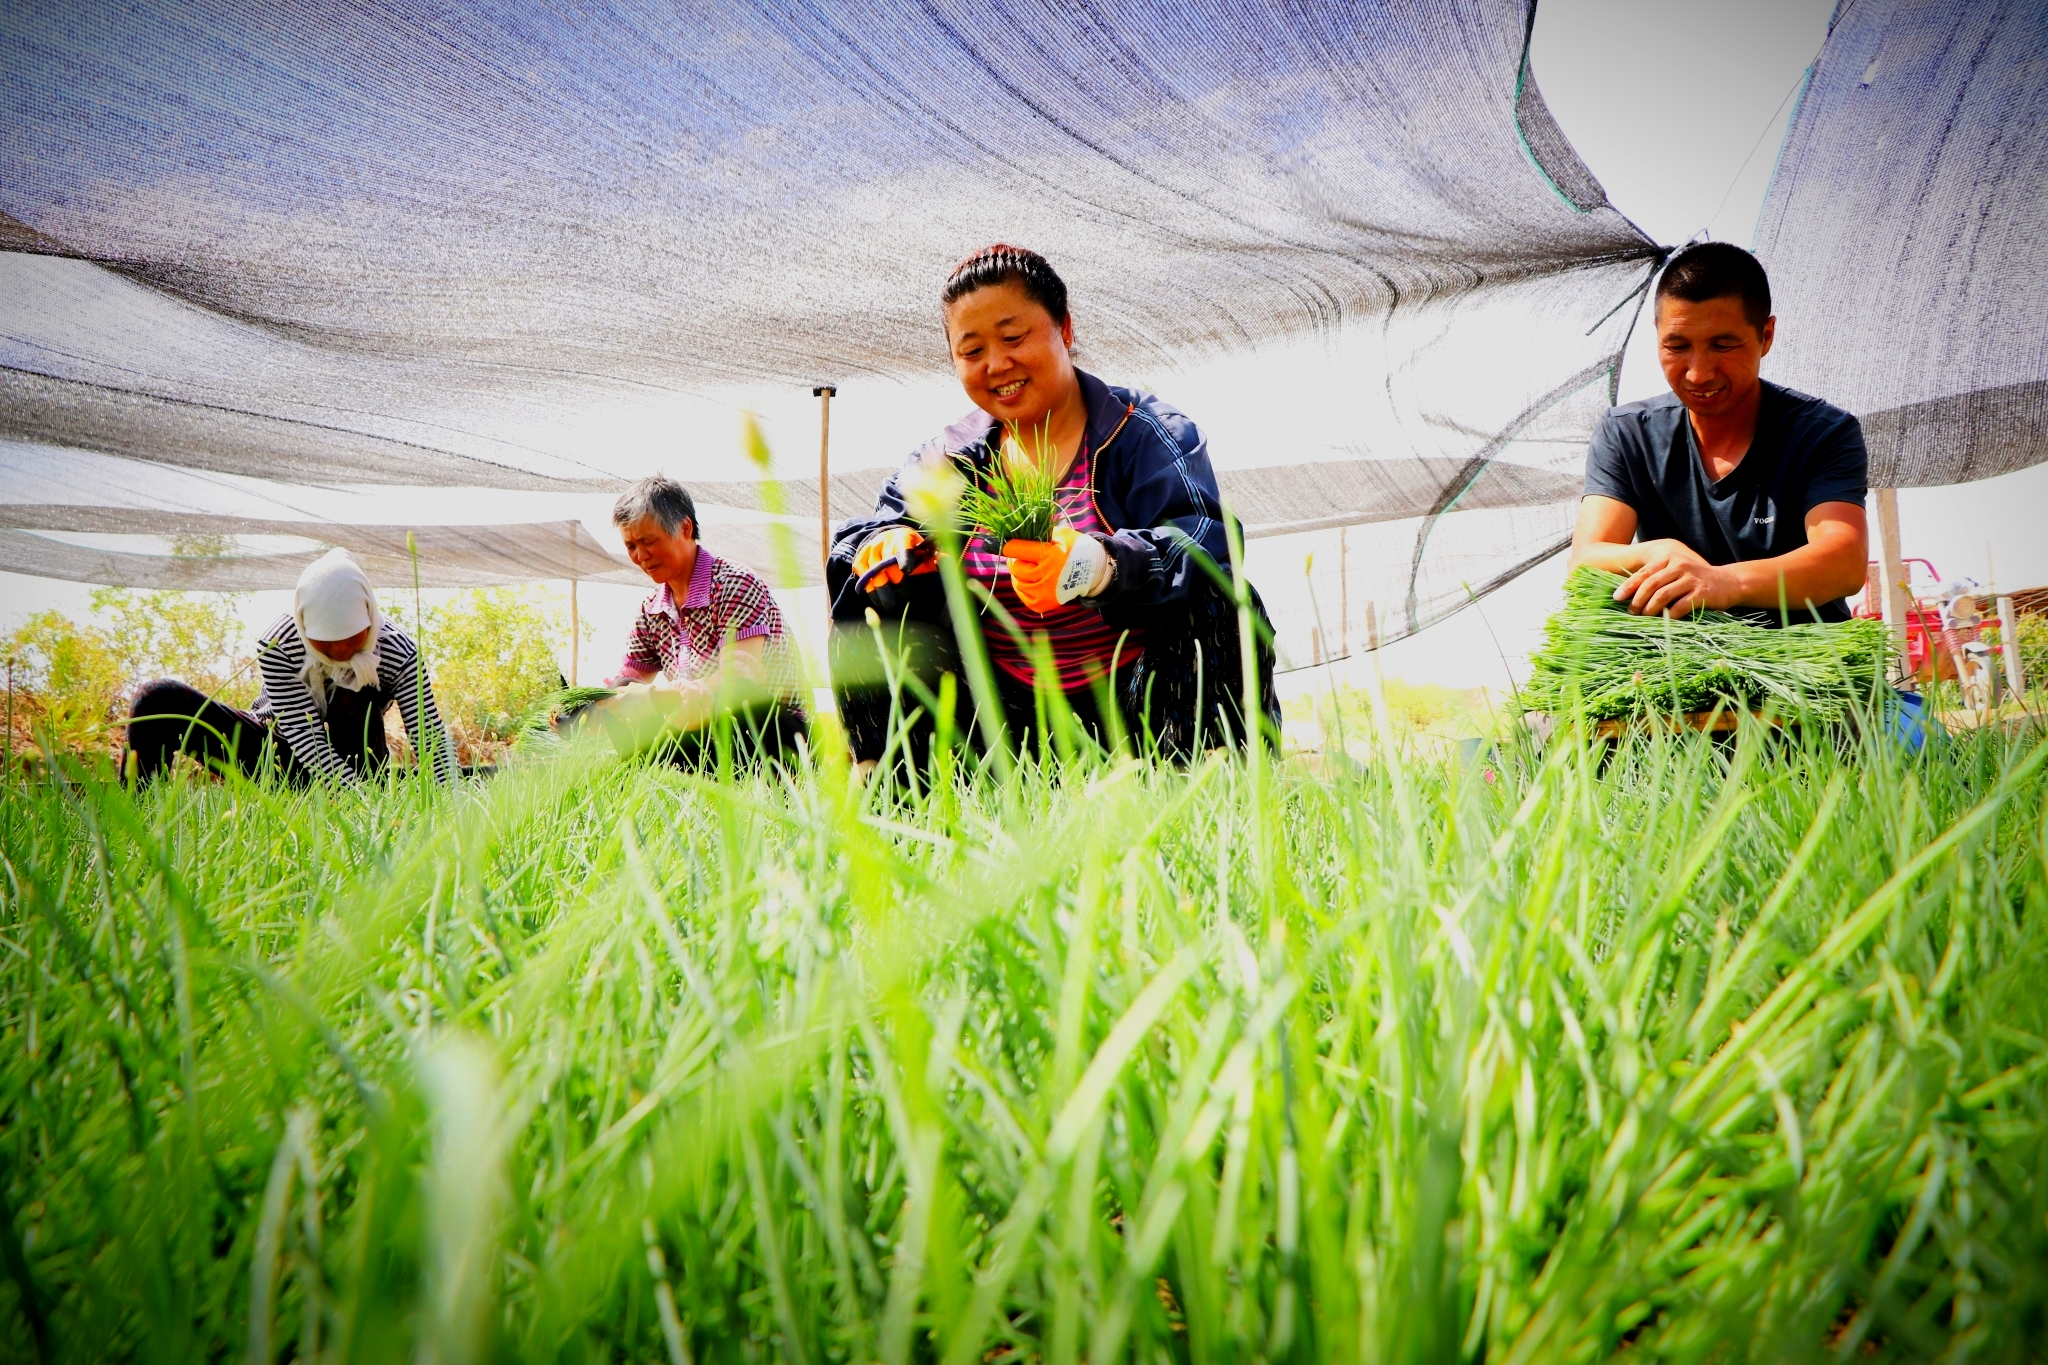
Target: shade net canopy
(378, 265)
(1906, 233)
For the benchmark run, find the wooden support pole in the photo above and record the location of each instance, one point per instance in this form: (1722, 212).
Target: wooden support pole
(1375, 685)
(1344, 591)
(824, 393)
(2009, 648)
(1891, 567)
(575, 618)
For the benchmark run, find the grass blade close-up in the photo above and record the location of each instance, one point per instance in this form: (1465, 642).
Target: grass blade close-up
(1693, 1050)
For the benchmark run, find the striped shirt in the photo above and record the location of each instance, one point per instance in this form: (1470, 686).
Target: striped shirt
(1083, 644)
(723, 602)
(287, 700)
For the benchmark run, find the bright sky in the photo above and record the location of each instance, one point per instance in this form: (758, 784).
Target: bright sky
(1679, 110)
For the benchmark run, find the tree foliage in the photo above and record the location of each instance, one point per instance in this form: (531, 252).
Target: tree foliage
(73, 678)
(494, 654)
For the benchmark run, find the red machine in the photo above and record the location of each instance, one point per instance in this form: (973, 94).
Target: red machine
(1942, 625)
(1925, 658)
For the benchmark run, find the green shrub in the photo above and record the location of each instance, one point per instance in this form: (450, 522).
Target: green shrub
(493, 654)
(1426, 717)
(2033, 637)
(73, 678)
(198, 637)
(68, 681)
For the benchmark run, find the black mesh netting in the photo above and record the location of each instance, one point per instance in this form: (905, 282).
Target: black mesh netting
(296, 251)
(1906, 233)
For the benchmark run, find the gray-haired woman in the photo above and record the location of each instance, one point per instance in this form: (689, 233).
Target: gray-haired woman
(710, 639)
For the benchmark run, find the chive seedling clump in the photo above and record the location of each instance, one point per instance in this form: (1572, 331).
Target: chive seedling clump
(1600, 660)
(1660, 1055)
(1013, 498)
(557, 705)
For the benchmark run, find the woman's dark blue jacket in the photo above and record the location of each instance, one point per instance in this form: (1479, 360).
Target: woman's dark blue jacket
(1153, 482)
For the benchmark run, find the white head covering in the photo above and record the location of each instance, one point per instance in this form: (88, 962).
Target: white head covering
(334, 600)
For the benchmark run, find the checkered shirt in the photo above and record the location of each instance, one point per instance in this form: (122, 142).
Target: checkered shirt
(725, 601)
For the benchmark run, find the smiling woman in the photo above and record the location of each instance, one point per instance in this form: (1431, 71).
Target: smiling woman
(1119, 602)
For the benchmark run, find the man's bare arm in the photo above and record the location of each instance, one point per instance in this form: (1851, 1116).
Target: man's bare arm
(1605, 536)
(1668, 577)
(1832, 563)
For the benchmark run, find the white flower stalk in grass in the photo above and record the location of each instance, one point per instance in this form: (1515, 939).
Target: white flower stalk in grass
(932, 490)
(936, 494)
(465, 1186)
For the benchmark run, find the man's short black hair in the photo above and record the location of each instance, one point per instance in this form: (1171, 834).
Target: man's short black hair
(660, 497)
(1719, 270)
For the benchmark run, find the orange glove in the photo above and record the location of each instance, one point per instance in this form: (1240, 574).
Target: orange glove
(882, 555)
(1048, 573)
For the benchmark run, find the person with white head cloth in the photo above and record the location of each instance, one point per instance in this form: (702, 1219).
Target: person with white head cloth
(331, 669)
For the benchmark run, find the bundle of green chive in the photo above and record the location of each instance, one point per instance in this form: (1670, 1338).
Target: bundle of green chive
(1600, 661)
(1015, 497)
(540, 722)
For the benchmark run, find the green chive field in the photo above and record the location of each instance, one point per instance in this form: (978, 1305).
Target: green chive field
(1689, 1051)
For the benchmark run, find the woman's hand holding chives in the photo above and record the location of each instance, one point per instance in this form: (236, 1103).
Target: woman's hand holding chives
(1048, 574)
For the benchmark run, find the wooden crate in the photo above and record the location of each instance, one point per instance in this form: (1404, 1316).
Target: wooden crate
(1716, 722)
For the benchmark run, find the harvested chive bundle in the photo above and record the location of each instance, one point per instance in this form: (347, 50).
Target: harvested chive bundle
(1603, 662)
(1013, 499)
(556, 706)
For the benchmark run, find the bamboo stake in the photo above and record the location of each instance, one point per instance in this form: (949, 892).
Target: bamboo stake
(824, 394)
(1892, 570)
(1344, 592)
(1376, 684)
(2008, 645)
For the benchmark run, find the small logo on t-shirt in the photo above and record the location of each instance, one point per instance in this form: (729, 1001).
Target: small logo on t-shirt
(1766, 521)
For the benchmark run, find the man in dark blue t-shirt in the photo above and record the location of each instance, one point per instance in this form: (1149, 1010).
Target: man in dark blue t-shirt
(1728, 492)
